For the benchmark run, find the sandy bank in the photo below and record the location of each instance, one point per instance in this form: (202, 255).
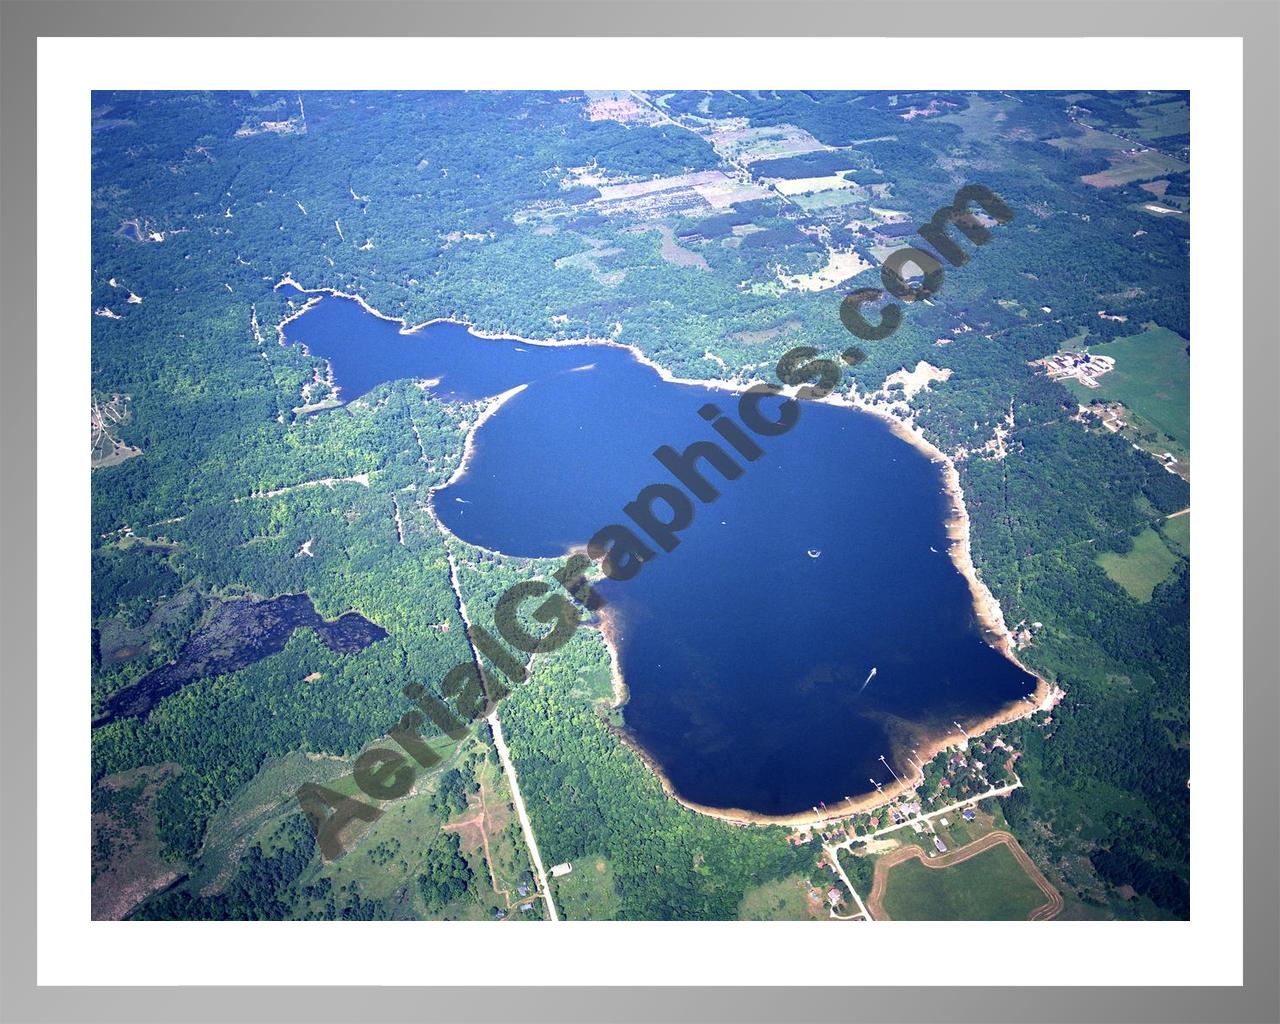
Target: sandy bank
(468, 452)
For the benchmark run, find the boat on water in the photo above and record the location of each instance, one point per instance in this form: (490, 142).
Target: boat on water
(813, 552)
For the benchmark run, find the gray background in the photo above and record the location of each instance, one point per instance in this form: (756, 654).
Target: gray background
(1257, 21)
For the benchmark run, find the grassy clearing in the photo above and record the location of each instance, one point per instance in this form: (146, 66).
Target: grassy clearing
(587, 893)
(983, 121)
(1143, 568)
(1129, 167)
(1125, 164)
(784, 900)
(1152, 379)
(957, 834)
(990, 886)
(594, 683)
(508, 858)
(910, 837)
(1089, 139)
(255, 811)
(384, 858)
(385, 862)
(987, 817)
(1163, 116)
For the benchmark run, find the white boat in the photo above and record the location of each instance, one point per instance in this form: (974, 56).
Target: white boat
(813, 552)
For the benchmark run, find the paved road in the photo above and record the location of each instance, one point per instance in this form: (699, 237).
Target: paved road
(835, 861)
(831, 849)
(500, 744)
(967, 801)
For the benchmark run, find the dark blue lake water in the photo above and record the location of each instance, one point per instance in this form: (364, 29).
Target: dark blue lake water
(745, 655)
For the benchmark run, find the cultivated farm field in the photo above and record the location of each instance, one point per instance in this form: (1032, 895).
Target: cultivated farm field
(985, 881)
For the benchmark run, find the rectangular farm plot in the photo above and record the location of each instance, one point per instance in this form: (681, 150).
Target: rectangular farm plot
(990, 884)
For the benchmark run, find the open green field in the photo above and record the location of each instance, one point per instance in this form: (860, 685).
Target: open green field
(956, 834)
(783, 900)
(1152, 379)
(960, 832)
(594, 683)
(1130, 167)
(385, 861)
(1127, 161)
(983, 120)
(990, 886)
(256, 810)
(1089, 139)
(384, 858)
(1144, 567)
(587, 893)
(1160, 116)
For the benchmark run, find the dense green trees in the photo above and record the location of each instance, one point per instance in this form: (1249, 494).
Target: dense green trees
(445, 876)
(861, 870)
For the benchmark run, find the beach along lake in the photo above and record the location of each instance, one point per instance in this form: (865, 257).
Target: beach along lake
(809, 620)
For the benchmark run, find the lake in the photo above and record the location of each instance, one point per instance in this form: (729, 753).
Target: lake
(746, 649)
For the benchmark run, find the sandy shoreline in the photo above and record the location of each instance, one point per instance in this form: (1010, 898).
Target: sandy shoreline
(608, 628)
(928, 748)
(987, 609)
(468, 451)
(921, 740)
(867, 802)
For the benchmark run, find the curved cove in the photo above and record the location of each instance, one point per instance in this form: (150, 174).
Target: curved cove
(749, 649)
